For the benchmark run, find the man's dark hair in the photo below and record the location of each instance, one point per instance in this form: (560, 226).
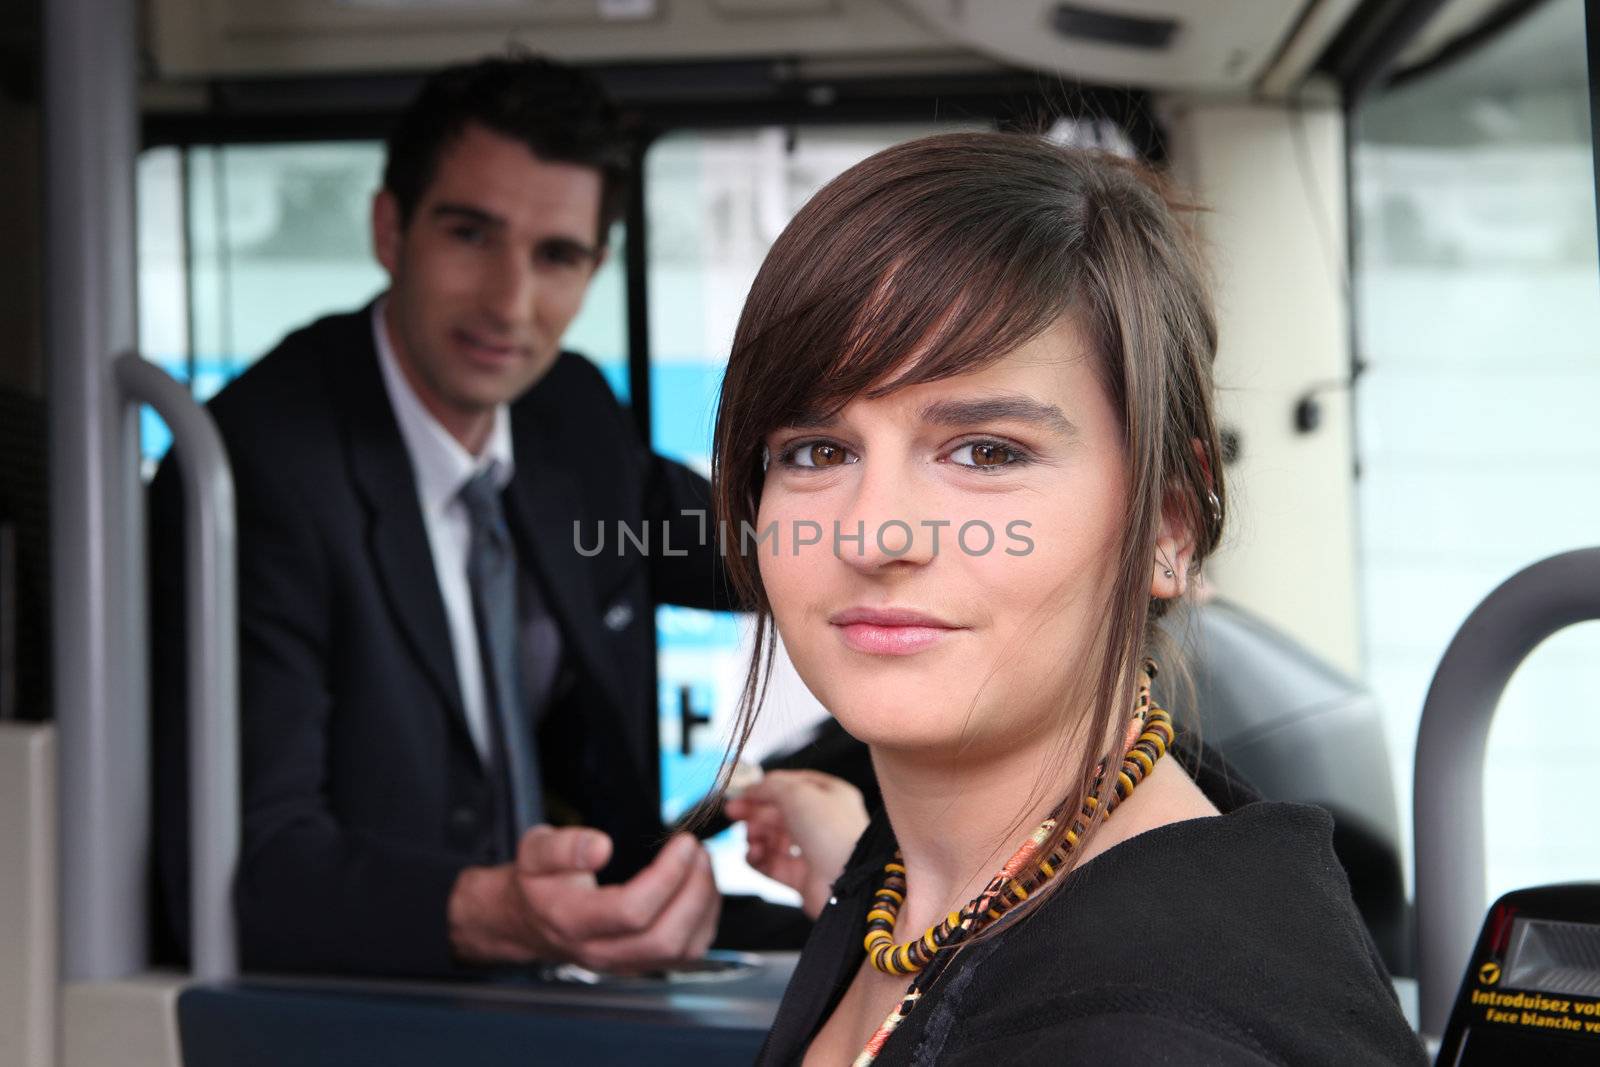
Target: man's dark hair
(561, 114)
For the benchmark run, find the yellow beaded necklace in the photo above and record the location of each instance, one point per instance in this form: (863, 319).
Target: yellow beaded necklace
(1149, 736)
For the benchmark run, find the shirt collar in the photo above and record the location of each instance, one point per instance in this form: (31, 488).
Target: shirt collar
(441, 465)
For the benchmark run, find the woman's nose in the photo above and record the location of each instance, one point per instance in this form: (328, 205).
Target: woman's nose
(888, 521)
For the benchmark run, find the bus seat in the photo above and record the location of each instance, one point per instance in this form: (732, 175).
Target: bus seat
(1298, 729)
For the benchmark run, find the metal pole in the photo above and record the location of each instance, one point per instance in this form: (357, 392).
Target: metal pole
(211, 587)
(90, 89)
(1499, 634)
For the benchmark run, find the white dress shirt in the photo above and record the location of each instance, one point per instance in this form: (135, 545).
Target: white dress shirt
(441, 467)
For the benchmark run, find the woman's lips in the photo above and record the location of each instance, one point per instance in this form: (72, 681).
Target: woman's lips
(890, 632)
(892, 640)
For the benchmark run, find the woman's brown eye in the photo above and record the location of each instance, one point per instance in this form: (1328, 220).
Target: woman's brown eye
(822, 455)
(987, 455)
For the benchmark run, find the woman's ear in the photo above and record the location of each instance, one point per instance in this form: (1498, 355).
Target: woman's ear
(1175, 541)
(1175, 544)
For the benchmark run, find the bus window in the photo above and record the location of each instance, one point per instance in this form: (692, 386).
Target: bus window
(164, 323)
(1475, 279)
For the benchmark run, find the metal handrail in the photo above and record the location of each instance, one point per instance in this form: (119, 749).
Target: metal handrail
(1449, 854)
(212, 644)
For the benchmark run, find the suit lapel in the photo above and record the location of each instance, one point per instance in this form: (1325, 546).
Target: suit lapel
(382, 474)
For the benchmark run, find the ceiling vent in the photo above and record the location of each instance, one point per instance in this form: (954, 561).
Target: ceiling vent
(1112, 27)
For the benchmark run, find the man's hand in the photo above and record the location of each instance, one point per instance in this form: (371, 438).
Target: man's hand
(547, 906)
(801, 827)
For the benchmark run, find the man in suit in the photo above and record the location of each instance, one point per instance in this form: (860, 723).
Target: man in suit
(431, 673)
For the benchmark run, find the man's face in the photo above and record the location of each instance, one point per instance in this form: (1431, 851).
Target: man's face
(487, 274)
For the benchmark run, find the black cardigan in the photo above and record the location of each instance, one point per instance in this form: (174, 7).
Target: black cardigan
(1229, 941)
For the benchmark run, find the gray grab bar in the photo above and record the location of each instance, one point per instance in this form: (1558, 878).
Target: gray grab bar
(212, 644)
(1449, 854)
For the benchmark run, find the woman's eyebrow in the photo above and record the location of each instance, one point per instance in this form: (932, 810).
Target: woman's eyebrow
(811, 420)
(1005, 406)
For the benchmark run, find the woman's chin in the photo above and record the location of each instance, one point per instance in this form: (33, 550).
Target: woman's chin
(899, 723)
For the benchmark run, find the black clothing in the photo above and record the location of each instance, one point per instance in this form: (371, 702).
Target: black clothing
(25, 681)
(1228, 941)
(364, 795)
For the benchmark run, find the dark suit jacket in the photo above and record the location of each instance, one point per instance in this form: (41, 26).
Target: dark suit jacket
(363, 795)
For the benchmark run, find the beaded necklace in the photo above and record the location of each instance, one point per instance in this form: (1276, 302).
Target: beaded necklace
(1149, 735)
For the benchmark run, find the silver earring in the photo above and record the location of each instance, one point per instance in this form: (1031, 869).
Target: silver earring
(1167, 571)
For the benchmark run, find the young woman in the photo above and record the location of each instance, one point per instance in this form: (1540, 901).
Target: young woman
(964, 459)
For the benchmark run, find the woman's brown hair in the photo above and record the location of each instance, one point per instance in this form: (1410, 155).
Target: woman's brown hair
(938, 257)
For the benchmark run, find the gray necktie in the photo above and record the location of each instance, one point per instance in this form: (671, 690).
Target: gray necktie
(492, 573)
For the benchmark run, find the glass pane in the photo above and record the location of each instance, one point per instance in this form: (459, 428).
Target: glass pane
(716, 202)
(281, 237)
(163, 294)
(1476, 283)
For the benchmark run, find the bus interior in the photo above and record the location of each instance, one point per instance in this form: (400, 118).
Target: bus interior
(1399, 207)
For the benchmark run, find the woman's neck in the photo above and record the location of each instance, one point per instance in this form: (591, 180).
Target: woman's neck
(957, 820)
